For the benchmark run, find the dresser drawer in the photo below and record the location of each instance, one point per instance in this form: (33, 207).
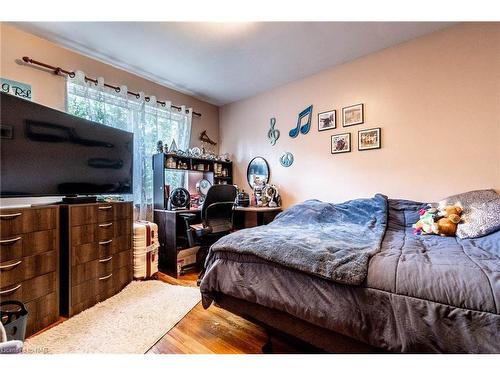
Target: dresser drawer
(42, 312)
(29, 290)
(17, 221)
(82, 215)
(122, 243)
(84, 292)
(27, 244)
(122, 259)
(106, 265)
(15, 271)
(123, 211)
(84, 253)
(83, 234)
(123, 227)
(123, 277)
(106, 286)
(106, 231)
(105, 212)
(84, 272)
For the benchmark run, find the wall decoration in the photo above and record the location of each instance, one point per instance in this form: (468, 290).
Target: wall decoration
(273, 134)
(206, 139)
(341, 143)
(286, 159)
(353, 115)
(327, 120)
(369, 139)
(15, 88)
(302, 126)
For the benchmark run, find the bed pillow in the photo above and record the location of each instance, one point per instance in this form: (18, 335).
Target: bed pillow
(481, 212)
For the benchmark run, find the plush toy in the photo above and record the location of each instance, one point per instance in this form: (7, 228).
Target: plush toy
(426, 222)
(447, 219)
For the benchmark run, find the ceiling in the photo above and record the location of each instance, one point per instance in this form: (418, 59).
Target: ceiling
(225, 62)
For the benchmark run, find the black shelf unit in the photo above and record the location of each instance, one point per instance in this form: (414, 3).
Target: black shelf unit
(171, 227)
(209, 167)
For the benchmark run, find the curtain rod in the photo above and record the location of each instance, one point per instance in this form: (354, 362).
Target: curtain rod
(57, 71)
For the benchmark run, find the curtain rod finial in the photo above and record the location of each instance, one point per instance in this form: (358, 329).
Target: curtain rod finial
(26, 59)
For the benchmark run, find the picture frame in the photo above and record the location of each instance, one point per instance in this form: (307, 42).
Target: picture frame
(369, 139)
(341, 143)
(327, 120)
(353, 115)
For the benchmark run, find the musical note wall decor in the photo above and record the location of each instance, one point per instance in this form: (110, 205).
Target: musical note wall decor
(273, 134)
(302, 128)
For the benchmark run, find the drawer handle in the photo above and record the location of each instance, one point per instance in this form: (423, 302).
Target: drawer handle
(106, 277)
(10, 240)
(9, 291)
(105, 242)
(11, 265)
(105, 207)
(10, 216)
(105, 260)
(105, 225)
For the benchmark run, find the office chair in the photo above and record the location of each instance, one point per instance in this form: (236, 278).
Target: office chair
(216, 220)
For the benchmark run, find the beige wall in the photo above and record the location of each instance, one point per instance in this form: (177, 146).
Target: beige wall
(50, 90)
(436, 98)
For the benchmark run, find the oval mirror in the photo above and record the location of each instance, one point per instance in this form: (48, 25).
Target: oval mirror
(257, 171)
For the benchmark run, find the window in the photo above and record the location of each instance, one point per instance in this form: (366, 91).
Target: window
(148, 122)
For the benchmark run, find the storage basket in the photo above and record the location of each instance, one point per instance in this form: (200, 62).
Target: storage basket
(145, 249)
(14, 316)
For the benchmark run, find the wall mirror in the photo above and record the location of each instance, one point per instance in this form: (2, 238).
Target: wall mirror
(258, 170)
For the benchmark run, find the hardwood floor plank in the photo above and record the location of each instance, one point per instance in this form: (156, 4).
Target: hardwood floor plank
(209, 331)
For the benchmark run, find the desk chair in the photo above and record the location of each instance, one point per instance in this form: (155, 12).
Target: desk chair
(216, 220)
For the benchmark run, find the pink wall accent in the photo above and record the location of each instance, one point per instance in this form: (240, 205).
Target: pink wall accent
(436, 98)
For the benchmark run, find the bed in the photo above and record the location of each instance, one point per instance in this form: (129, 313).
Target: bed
(405, 293)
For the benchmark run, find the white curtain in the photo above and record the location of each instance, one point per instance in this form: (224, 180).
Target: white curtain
(148, 120)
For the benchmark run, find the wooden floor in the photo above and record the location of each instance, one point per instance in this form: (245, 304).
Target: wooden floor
(212, 331)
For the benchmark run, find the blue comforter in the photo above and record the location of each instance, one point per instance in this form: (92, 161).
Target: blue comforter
(333, 241)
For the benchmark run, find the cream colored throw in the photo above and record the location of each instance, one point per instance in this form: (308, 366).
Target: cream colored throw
(130, 322)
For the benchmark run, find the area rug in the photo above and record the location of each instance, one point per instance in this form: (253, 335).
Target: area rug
(130, 322)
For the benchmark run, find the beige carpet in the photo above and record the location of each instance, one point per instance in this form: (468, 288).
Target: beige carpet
(130, 322)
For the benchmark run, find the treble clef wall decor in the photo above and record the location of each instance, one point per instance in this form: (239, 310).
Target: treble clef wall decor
(273, 134)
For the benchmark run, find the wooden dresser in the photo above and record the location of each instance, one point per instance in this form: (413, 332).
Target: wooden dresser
(29, 262)
(96, 253)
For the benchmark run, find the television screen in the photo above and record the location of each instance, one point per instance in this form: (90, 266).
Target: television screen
(48, 152)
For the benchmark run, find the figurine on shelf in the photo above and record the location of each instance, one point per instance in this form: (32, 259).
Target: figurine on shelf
(159, 147)
(258, 187)
(173, 147)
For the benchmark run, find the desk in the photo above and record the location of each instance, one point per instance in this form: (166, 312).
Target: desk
(264, 215)
(172, 230)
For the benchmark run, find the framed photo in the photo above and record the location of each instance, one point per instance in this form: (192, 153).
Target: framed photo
(353, 115)
(341, 143)
(327, 120)
(369, 139)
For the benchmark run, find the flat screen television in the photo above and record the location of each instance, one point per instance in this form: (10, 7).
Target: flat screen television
(48, 152)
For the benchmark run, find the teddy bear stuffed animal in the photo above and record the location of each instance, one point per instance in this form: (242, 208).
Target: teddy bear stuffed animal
(449, 217)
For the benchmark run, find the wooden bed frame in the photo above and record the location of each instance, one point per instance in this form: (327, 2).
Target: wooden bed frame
(309, 337)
